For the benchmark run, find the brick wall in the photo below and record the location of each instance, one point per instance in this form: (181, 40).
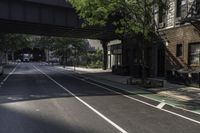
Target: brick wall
(180, 35)
(170, 18)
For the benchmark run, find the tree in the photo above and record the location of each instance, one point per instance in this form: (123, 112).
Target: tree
(60, 45)
(63, 45)
(44, 43)
(12, 43)
(94, 59)
(130, 18)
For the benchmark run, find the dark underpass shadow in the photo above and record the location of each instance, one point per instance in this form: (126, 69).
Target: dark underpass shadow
(17, 121)
(27, 87)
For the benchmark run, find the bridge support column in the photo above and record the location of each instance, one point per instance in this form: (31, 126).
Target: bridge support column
(105, 54)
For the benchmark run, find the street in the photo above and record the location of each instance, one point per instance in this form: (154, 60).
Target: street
(37, 98)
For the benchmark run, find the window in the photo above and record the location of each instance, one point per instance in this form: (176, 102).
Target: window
(178, 8)
(198, 7)
(161, 14)
(181, 8)
(194, 54)
(179, 50)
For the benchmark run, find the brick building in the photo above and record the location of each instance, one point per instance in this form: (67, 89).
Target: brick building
(179, 44)
(179, 28)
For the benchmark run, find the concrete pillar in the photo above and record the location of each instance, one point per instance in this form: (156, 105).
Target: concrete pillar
(105, 54)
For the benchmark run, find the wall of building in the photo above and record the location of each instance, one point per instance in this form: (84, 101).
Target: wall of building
(170, 20)
(173, 33)
(184, 35)
(170, 17)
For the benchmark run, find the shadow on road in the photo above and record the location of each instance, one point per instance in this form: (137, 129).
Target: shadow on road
(15, 120)
(26, 87)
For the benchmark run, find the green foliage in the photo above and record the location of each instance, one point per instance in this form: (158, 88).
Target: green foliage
(59, 44)
(42, 42)
(95, 59)
(96, 64)
(13, 42)
(128, 16)
(94, 12)
(63, 46)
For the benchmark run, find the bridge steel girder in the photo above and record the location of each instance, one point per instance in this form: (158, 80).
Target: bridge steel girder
(45, 17)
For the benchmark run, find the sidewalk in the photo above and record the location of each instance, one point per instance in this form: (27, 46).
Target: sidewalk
(172, 94)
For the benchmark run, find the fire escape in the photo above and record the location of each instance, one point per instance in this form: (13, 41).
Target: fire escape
(193, 15)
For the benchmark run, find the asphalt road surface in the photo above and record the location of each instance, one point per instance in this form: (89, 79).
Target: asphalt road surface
(35, 98)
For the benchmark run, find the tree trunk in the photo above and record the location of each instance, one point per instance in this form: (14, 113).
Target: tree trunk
(6, 57)
(143, 63)
(13, 56)
(105, 54)
(48, 55)
(143, 44)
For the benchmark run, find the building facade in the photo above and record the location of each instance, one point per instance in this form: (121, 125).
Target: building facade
(178, 46)
(114, 53)
(179, 28)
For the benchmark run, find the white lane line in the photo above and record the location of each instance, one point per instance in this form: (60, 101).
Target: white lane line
(9, 75)
(173, 113)
(161, 105)
(86, 104)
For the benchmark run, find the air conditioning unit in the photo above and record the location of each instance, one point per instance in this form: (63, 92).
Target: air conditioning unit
(161, 25)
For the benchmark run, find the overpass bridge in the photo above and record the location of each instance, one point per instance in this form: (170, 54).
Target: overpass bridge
(47, 17)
